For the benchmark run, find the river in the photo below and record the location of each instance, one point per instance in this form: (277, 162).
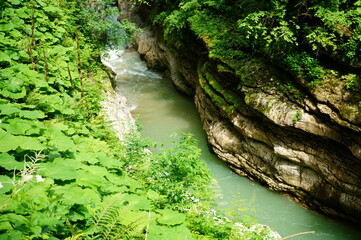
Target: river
(162, 110)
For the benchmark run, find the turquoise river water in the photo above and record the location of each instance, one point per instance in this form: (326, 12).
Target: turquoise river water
(163, 111)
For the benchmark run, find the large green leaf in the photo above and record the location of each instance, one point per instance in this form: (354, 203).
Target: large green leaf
(6, 184)
(50, 103)
(15, 234)
(16, 34)
(19, 127)
(124, 181)
(108, 161)
(86, 157)
(7, 27)
(73, 194)
(28, 75)
(170, 217)
(34, 114)
(59, 126)
(38, 194)
(5, 57)
(108, 188)
(135, 217)
(53, 11)
(17, 95)
(87, 179)
(15, 218)
(23, 12)
(138, 202)
(15, 85)
(30, 143)
(152, 195)
(96, 170)
(90, 144)
(8, 162)
(59, 140)
(10, 142)
(157, 232)
(14, 2)
(69, 162)
(57, 171)
(43, 219)
(5, 225)
(9, 109)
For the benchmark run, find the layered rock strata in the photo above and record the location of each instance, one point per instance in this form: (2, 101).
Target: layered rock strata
(305, 142)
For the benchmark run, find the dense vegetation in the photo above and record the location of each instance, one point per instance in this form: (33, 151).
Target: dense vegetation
(63, 173)
(311, 40)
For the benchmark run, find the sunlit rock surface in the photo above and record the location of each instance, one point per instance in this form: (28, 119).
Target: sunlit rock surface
(115, 106)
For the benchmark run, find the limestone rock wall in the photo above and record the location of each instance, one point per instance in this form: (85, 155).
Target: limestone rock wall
(308, 147)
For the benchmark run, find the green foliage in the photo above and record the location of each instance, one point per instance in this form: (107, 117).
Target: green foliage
(178, 179)
(57, 160)
(117, 218)
(170, 217)
(298, 37)
(180, 174)
(224, 99)
(63, 173)
(352, 82)
(177, 174)
(297, 117)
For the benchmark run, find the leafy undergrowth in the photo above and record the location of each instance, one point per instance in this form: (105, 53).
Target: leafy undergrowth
(313, 41)
(63, 173)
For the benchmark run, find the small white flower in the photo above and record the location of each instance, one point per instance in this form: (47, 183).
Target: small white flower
(27, 178)
(1, 186)
(0, 121)
(39, 178)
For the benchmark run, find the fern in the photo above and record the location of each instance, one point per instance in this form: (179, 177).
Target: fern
(132, 230)
(117, 219)
(110, 206)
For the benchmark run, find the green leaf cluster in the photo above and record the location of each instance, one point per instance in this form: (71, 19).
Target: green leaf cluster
(178, 174)
(177, 179)
(308, 39)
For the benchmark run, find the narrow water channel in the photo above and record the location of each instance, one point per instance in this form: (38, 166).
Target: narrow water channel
(163, 111)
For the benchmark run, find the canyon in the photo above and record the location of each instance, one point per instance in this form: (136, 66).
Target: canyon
(300, 140)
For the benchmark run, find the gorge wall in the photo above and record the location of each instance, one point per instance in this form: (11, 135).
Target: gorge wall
(308, 147)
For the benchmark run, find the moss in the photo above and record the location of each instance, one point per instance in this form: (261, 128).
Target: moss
(216, 86)
(223, 99)
(297, 117)
(224, 68)
(264, 109)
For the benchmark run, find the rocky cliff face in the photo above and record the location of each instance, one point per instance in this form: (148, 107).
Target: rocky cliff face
(300, 140)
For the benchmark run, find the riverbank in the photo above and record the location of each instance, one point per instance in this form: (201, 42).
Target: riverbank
(254, 102)
(64, 174)
(133, 81)
(164, 111)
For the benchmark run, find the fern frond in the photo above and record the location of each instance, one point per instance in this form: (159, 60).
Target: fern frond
(75, 237)
(118, 219)
(109, 207)
(133, 228)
